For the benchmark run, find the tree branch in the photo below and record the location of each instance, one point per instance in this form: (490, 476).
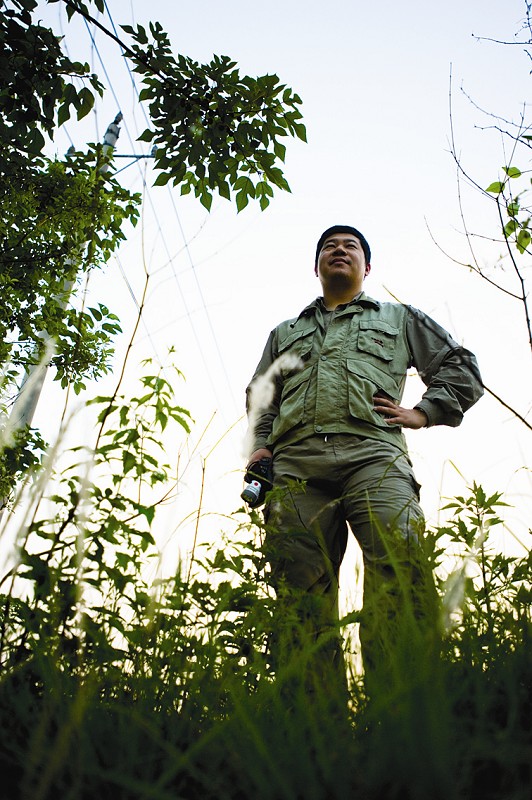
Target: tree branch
(127, 50)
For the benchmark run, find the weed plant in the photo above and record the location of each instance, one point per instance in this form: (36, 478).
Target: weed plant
(115, 686)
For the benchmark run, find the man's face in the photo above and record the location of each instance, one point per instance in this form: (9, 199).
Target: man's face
(342, 263)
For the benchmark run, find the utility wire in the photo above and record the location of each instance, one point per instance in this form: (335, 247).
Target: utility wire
(170, 259)
(186, 246)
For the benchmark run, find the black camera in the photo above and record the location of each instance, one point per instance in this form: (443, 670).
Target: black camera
(259, 480)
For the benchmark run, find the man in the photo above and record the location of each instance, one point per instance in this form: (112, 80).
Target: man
(335, 425)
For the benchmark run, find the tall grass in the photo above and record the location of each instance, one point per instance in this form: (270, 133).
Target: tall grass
(116, 686)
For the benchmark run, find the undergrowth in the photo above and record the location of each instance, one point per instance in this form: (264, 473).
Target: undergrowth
(118, 686)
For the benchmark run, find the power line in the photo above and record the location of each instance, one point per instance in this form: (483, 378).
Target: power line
(186, 247)
(152, 207)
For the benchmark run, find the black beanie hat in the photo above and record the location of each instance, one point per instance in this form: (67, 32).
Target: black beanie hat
(343, 229)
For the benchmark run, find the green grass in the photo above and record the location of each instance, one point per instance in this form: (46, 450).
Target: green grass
(186, 703)
(193, 687)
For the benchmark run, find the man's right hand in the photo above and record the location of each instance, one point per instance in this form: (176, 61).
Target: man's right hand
(259, 469)
(262, 452)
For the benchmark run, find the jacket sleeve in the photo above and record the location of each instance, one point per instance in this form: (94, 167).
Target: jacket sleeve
(449, 371)
(261, 413)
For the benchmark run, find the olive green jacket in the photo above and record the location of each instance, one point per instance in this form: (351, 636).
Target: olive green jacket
(346, 357)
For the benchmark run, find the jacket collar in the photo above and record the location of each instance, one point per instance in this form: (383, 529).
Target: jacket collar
(362, 299)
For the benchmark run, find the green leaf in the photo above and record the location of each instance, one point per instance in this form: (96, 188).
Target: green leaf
(523, 240)
(183, 422)
(206, 200)
(162, 179)
(241, 200)
(63, 114)
(146, 136)
(224, 190)
(242, 183)
(96, 313)
(513, 172)
(279, 150)
(162, 419)
(128, 461)
(85, 102)
(123, 560)
(300, 130)
(147, 511)
(140, 35)
(146, 536)
(495, 188)
(510, 227)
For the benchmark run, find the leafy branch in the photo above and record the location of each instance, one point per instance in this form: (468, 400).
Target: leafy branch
(212, 129)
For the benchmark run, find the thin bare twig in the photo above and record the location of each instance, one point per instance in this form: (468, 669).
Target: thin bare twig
(521, 127)
(473, 267)
(130, 343)
(196, 526)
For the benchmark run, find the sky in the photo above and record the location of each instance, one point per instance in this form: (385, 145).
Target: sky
(380, 85)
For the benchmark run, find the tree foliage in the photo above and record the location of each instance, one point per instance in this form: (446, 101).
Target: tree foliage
(214, 130)
(38, 88)
(56, 223)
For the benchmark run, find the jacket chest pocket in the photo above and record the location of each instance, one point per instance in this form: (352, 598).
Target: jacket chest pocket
(299, 342)
(378, 339)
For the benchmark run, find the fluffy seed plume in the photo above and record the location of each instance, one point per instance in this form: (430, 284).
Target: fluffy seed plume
(261, 391)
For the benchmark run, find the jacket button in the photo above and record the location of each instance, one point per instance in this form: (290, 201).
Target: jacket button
(324, 358)
(318, 428)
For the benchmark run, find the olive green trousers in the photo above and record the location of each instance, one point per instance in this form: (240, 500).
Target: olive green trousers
(322, 485)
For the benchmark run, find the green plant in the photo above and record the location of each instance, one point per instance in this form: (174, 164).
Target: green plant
(119, 685)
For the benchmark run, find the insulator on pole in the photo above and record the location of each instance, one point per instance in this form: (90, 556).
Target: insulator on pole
(111, 137)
